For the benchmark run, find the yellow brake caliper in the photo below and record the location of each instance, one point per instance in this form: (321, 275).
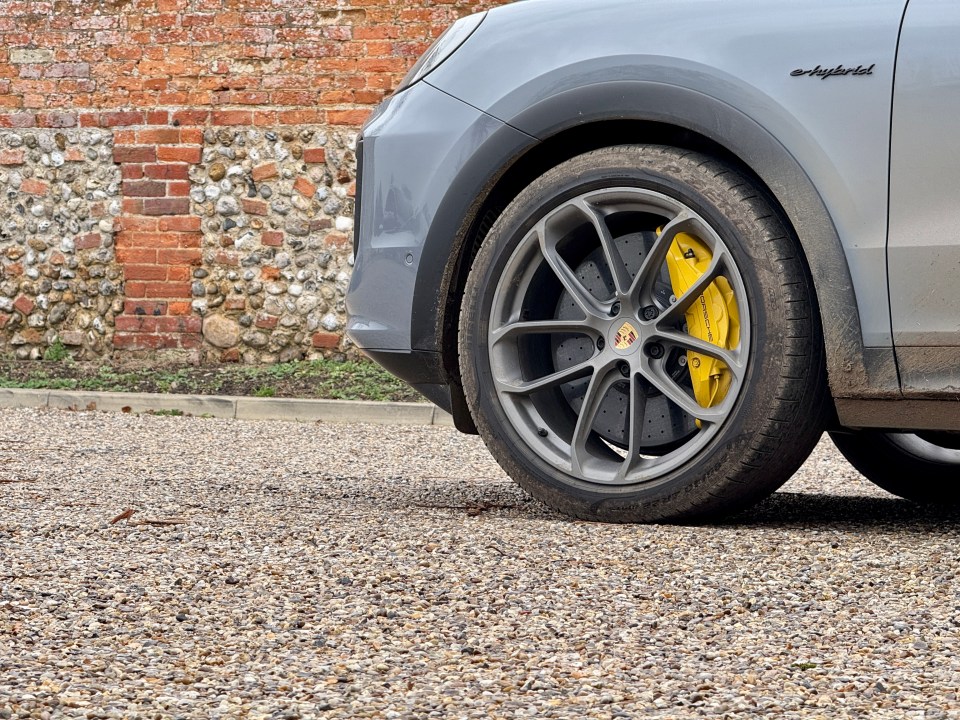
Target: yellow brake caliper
(713, 317)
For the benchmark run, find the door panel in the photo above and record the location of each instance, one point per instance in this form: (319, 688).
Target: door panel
(924, 243)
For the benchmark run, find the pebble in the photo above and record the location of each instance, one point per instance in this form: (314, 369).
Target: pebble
(396, 572)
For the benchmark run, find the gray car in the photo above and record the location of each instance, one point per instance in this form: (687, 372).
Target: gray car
(650, 251)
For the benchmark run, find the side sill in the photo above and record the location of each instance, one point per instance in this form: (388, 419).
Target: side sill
(899, 415)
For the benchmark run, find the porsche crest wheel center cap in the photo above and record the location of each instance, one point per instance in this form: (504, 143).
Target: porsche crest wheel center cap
(627, 335)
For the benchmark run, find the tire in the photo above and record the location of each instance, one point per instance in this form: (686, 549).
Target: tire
(576, 356)
(922, 468)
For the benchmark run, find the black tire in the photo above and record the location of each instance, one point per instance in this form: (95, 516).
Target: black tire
(922, 468)
(772, 421)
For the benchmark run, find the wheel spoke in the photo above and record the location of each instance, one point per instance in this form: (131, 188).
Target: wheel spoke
(574, 372)
(642, 288)
(653, 371)
(621, 278)
(689, 342)
(638, 411)
(673, 315)
(600, 384)
(542, 327)
(571, 283)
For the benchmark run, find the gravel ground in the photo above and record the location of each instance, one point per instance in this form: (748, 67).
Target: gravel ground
(357, 571)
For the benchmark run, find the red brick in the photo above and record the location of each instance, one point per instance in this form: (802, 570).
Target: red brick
(265, 171)
(158, 117)
(304, 187)
(347, 117)
(325, 340)
(337, 240)
(134, 153)
(67, 70)
(232, 117)
(179, 273)
(145, 307)
(302, 117)
(180, 324)
(315, 155)
(88, 241)
(166, 206)
(191, 136)
(272, 238)
(144, 188)
(254, 207)
(56, 120)
(139, 224)
(33, 186)
(12, 157)
(178, 188)
(24, 304)
(136, 341)
(122, 117)
(179, 153)
(191, 116)
(180, 224)
(235, 303)
(167, 289)
(159, 136)
(267, 322)
(136, 323)
(178, 256)
(18, 120)
(167, 171)
(145, 272)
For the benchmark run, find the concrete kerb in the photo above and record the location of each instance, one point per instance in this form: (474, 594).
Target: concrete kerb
(240, 408)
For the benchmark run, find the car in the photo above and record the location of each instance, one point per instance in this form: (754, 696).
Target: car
(652, 251)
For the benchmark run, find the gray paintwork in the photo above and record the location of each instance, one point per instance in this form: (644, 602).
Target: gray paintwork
(722, 69)
(925, 179)
(415, 163)
(740, 52)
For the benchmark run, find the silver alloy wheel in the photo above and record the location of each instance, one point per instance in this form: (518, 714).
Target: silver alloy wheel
(592, 233)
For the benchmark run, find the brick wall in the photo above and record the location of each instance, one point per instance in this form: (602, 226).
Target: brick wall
(178, 174)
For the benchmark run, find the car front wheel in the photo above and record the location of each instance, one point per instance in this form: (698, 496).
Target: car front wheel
(639, 340)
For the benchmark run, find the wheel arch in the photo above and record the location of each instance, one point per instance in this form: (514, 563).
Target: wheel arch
(607, 114)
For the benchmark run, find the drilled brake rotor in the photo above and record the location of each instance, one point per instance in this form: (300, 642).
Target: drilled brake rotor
(665, 424)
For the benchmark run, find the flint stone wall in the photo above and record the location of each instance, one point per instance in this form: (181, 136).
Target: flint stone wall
(277, 240)
(59, 278)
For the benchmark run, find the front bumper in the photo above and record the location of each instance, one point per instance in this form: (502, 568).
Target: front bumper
(413, 150)
(420, 172)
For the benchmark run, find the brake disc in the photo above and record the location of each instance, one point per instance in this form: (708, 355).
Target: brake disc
(665, 424)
